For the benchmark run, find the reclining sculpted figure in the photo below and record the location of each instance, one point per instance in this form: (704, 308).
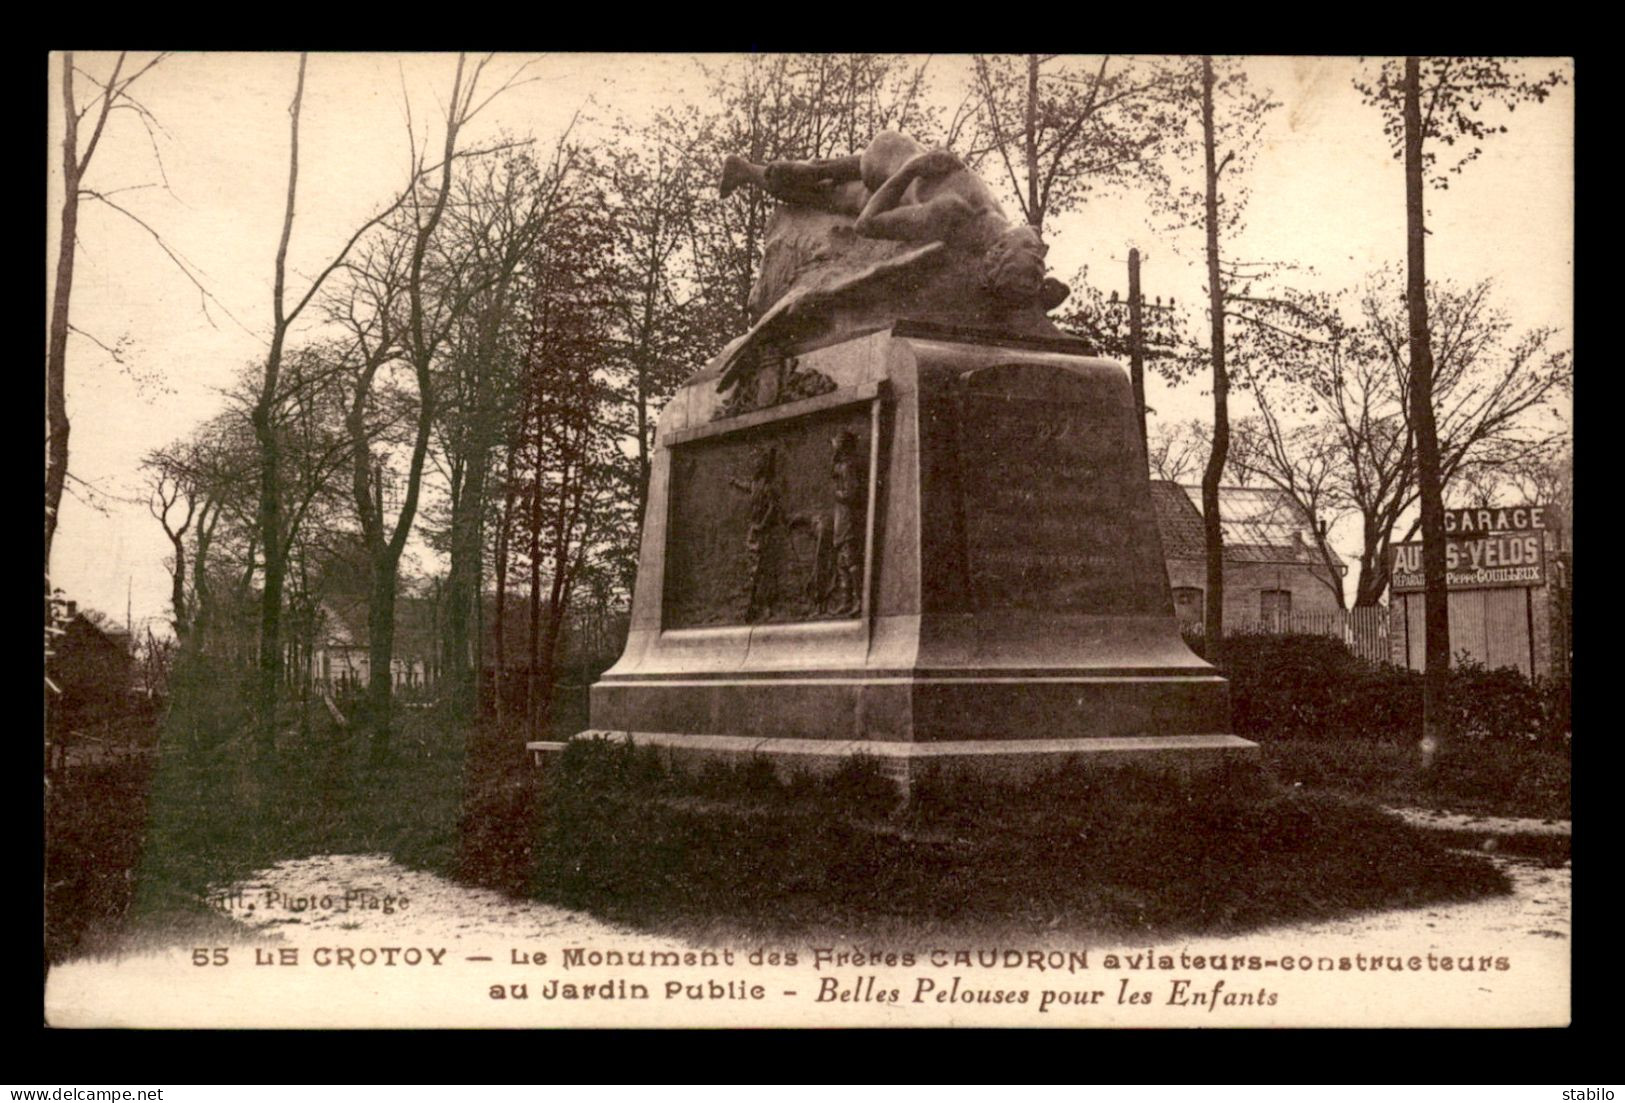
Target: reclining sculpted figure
(909, 193)
(898, 190)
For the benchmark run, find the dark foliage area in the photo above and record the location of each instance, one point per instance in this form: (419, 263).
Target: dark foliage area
(1303, 684)
(609, 829)
(94, 837)
(625, 839)
(1327, 719)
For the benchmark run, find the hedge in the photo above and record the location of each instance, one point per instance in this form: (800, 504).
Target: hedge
(1308, 685)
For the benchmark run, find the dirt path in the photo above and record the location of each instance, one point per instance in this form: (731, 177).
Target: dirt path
(374, 944)
(1538, 910)
(1487, 825)
(287, 901)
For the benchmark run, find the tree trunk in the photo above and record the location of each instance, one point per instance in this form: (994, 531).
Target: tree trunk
(646, 338)
(1213, 618)
(202, 596)
(499, 644)
(1429, 482)
(272, 577)
(381, 652)
(547, 658)
(461, 590)
(270, 504)
(468, 517)
(56, 357)
(177, 588)
(1035, 213)
(532, 639)
(1136, 347)
(304, 646)
(477, 698)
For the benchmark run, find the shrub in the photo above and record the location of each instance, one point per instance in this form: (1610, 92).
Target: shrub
(1493, 705)
(210, 702)
(1311, 685)
(860, 786)
(1193, 635)
(1554, 705)
(93, 841)
(1299, 683)
(1382, 702)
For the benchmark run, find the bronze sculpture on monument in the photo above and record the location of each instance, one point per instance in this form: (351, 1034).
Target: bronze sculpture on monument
(903, 515)
(896, 231)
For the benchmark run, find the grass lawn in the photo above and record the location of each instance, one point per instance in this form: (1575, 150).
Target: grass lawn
(1523, 779)
(1122, 853)
(733, 852)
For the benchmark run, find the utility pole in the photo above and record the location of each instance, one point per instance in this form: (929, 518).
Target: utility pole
(1139, 346)
(1429, 479)
(1136, 345)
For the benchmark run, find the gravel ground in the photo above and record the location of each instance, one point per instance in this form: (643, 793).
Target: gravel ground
(1537, 910)
(434, 906)
(447, 943)
(1488, 825)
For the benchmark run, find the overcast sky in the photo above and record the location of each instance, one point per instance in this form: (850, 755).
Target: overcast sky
(1325, 192)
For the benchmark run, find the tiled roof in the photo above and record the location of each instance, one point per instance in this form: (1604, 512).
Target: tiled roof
(1179, 522)
(415, 629)
(1260, 525)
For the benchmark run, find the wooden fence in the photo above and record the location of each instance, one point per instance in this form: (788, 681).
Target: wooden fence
(1364, 630)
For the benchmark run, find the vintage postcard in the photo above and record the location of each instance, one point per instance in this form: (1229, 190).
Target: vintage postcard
(808, 540)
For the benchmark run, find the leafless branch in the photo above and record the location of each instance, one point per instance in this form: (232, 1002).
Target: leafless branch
(181, 262)
(112, 351)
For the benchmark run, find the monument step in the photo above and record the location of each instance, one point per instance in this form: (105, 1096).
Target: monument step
(1000, 760)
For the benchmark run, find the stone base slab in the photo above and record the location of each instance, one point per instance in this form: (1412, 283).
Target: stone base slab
(973, 706)
(1009, 761)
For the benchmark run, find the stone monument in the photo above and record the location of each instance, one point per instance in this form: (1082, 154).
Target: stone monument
(904, 515)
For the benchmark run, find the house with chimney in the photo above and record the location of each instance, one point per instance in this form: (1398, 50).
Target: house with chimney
(89, 667)
(1278, 576)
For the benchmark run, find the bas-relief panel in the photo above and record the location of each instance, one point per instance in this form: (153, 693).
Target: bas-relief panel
(767, 526)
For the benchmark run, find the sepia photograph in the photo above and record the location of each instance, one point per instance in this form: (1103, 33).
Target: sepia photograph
(807, 540)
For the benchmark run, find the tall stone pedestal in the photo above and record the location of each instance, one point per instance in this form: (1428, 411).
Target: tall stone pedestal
(931, 545)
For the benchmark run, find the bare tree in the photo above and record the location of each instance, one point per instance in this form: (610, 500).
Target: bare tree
(212, 474)
(433, 286)
(1305, 467)
(1177, 450)
(418, 341)
(114, 95)
(503, 552)
(171, 487)
(219, 463)
(1491, 394)
(1060, 128)
(270, 457)
(1447, 106)
(562, 495)
(1334, 430)
(1221, 118)
(502, 210)
(656, 191)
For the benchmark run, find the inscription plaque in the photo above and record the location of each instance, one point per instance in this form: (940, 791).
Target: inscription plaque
(766, 525)
(1046, 467)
